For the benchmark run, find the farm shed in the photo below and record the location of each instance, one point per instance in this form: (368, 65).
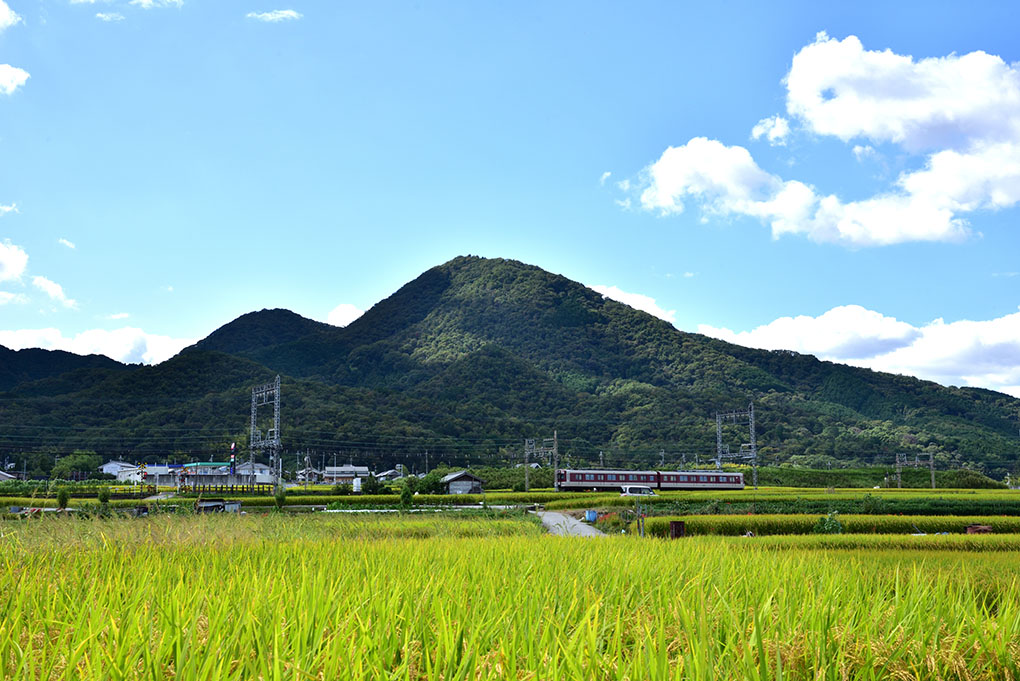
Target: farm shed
(462, 482)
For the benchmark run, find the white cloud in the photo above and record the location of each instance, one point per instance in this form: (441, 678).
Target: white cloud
(65, 242)
(109, 16)
(688, 275)
(118, 315)
(725, 181)
(127, 344)
(960, 115)
(862, 152)
(605, 176)
(275, 15)
(11, 78)
(343, 314)
(149, 4)
(968, 353)
(637, 301)
(7, 297)
(13, 261)
(9, 208)
(8, 17)
(774, 129)
(54, 290)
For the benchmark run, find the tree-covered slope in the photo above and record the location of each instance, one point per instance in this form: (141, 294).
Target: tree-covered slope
(476, 354)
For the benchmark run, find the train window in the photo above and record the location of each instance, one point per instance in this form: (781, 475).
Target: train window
(711, 478)
(611, 477)
(703, 478)
(602, 477)
(589, 476)
(633, 477)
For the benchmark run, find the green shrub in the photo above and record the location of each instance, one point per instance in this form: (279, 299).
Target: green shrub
(829, 524)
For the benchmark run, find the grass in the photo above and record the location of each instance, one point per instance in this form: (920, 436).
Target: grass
(734, 525)
(331, 597)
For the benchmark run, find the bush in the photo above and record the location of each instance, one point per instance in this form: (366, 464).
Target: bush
(280, 498)
(829, 524)
(63, 496)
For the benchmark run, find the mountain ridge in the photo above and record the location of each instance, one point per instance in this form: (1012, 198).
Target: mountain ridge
(485, 352)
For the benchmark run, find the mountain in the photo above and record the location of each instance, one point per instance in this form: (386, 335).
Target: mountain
(477, 354)
(33, 364)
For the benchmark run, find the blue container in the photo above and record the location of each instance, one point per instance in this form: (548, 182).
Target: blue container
(591, 516)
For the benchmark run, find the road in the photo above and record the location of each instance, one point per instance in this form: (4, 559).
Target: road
(565, 525)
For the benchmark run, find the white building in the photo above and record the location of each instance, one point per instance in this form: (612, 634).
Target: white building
(340, 474)
(114, 467)
(263, 473)
(5, 476)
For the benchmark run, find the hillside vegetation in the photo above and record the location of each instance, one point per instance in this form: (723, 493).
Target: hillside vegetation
(477, 354)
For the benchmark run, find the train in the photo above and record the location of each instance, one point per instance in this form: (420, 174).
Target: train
(595, 480)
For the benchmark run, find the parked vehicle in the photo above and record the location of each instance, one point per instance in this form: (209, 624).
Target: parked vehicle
(637, 491)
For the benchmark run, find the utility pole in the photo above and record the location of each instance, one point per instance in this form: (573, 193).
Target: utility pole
(529, 447)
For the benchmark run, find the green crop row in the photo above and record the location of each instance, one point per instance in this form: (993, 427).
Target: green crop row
(689, 503)
(734, 525)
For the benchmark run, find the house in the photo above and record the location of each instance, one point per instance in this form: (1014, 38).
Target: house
(5, 476)
(114, 467)
(462, 482)
(263, 473)
(309, 475)
(341, 474)
(388, 476)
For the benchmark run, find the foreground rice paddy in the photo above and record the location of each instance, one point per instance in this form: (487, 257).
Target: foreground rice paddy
(328, 597)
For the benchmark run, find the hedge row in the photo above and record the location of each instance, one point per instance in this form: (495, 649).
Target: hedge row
(701, 503)
(735, 525)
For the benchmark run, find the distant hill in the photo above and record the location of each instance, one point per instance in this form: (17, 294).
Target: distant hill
(33, 364)
(476, 354)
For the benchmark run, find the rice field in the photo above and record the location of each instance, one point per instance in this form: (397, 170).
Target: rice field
(335, 597)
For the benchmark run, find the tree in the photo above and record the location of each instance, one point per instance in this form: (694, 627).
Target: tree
(79, 464)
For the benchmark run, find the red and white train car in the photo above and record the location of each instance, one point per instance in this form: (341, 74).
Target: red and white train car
(611, 481)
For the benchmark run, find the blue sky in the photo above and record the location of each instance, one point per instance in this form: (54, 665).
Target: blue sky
(840, 180)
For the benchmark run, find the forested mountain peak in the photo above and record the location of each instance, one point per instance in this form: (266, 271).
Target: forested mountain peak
(260, 329)
(477, 353)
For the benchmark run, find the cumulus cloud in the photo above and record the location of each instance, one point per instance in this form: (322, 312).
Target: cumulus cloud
(127, 344)
(8, 17)
(11, 78)
(967, 353)
(275, 16)
(343, 314)
(862, 152)
(54, 290)
(637, 301)
(774, 129)
(958, 115)
(65, 242)
(109, 16)
(6, 297)
(13, 261)
(149, 4)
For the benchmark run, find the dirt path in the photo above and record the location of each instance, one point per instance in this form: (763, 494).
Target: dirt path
(565, 525)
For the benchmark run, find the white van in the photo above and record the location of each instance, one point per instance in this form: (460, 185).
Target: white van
(637, 491)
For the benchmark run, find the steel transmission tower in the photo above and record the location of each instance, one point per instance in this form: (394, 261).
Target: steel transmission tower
(748, 450)
(268, 393)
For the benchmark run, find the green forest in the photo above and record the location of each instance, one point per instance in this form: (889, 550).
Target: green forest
(469, 360)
